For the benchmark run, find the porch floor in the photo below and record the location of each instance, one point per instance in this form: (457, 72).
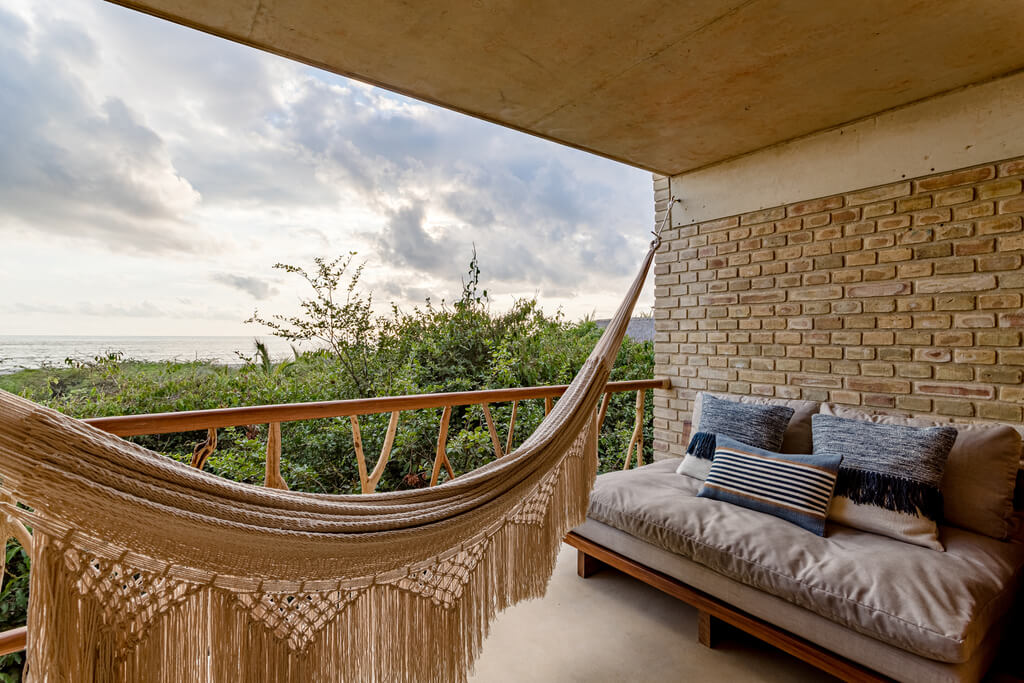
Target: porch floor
(611, 627)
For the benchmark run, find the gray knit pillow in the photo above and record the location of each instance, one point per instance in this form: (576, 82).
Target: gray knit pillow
(890, 478)
(760, 426)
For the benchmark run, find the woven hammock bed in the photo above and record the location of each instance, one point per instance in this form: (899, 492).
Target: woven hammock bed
(144, 569)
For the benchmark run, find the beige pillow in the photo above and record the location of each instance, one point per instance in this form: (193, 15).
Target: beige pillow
(980, 474)
(797, 439)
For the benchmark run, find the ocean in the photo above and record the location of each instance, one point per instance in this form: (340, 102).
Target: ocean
(25, 351)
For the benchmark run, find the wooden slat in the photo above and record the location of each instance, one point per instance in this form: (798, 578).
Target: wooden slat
(798, 647)
(637, 439)
(191, 420)
(13, 640)
(511, 427)
(385, 453)
(549, 403)
(442, 456)
(272, 475)
(492, 430)
(357, 444)
(604, 409)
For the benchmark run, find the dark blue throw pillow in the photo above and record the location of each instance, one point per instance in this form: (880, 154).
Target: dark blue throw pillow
(796, 488)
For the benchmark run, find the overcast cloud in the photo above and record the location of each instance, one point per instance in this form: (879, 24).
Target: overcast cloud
(145, 164)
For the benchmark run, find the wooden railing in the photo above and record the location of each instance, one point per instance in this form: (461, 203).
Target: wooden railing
(274, 415)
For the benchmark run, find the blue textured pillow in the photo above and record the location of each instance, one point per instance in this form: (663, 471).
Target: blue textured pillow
(796, 488)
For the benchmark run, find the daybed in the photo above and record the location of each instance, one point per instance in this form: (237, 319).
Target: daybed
(858, 605)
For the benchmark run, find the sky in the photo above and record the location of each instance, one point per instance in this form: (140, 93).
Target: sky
(152, 175)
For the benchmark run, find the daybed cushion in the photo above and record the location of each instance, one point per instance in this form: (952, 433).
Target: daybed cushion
(981, 471)
(937, 605)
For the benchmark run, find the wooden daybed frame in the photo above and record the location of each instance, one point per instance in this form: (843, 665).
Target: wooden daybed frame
(592, 557)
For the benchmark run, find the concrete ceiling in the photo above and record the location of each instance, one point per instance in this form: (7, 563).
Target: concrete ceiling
(666, 85)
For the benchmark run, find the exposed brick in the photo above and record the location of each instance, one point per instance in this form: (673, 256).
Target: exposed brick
(957, 196)
(999, 262)
(763, 216)
(934, 216)
(888, 386)
(894, 255)
(955, 302)
(954, 408)
(880, 209)
(999, 188)
(974, 247)
(814, 206)
(1015, 167)
(914, 203)
(937, 250)
(816, 293)
(1015, 319)
(1015, 205)
(999, 411)
(966, 213)
(892, 223)
(999, 224)
(958, 390)
(975, 356)
(973, 283)
(878, 193)
(879, 289)
(969, 320)
(966, 177)
(999, 375)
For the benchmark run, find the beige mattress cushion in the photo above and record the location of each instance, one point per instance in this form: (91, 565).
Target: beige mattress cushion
(980, 474)
(797, 439)
(937, 605)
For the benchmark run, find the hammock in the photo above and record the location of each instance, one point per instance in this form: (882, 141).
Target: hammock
(144, 569)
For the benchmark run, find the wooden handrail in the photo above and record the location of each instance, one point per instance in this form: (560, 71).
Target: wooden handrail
(13, 640)
(192, 420)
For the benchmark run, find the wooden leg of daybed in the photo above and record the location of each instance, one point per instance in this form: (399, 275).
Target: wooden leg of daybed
(705, 628)
(587, 566)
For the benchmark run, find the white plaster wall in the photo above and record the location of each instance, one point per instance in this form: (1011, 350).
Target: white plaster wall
(973, 125)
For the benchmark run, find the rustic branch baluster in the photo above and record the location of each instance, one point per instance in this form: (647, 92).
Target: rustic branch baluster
(385, 453)
(492, 430)
(511, 427)
(442, 457)
(202, 451)
(272, 476)
(638, 433)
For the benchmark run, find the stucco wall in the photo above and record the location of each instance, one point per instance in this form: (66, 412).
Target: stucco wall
(903, 294)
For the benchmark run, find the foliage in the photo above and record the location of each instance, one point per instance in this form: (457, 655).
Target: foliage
(442, 347)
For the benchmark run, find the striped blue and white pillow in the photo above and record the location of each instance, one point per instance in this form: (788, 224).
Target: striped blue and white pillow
(796, 488)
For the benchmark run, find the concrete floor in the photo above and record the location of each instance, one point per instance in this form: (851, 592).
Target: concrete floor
(611, 627)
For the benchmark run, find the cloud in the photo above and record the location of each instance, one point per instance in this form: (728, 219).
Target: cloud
(74, 167)
(255, 287)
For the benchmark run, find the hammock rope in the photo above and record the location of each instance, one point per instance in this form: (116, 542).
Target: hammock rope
(144, 569)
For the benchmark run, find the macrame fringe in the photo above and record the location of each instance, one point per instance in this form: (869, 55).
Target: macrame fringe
(890, 492)
(386, 634)
(702, 446)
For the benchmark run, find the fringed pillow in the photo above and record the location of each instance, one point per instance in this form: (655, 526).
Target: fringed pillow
(796, 488)
(890, 478)
(981, 472)
(760, 426)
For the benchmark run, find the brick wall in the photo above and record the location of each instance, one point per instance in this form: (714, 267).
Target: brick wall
(902, 298)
